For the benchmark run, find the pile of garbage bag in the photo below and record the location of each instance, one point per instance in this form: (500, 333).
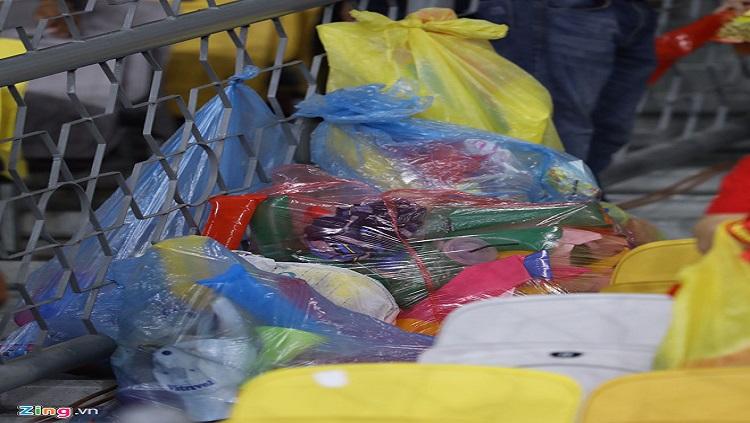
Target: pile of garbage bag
(358, 259)
(193, 321)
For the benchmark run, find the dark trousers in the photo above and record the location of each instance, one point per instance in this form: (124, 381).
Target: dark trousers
(594, 56)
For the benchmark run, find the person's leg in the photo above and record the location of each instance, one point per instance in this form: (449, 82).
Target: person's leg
(579, 54)
(615, 111)
(569, 46)
(519, 44)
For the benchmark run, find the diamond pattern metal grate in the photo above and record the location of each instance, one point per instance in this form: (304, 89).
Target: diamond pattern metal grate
(81, 187)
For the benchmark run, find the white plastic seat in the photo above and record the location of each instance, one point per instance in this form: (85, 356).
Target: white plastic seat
(589, 337)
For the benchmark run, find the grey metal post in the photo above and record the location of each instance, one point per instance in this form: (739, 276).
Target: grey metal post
(670, 154)
(8, 225)
(36, 64)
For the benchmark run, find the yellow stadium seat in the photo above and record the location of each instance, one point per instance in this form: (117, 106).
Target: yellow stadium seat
(399, 392)
(8, 109)
(652, 268)
(676, 396)
(262, 41)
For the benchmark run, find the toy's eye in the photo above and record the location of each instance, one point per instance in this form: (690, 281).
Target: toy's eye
(166, 352)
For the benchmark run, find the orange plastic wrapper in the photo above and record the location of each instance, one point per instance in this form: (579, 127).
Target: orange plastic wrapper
(435, 250)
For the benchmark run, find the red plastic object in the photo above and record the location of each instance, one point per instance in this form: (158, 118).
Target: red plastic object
(680, 42)
(473, 283)
(733, 196)
(230, 215)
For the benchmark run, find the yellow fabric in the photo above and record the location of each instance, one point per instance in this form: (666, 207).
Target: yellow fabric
(676, 396)
(8, 111)
(448, 59)
(401, 393)
(711, 317)
(185, 72)
(653, 268)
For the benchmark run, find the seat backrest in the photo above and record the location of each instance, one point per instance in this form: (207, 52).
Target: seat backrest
(611, 320)
(698, 395)
(653, 267)
(407, 393)
(589, 337)
(589, 366)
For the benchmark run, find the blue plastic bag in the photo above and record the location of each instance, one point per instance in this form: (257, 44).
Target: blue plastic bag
(261, 141)
(370, 135)
(193, 321)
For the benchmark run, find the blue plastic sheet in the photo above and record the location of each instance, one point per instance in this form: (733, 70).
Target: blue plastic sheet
(369, 134)
(196, 171)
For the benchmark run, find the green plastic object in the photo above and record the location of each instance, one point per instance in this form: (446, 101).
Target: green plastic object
(503, 239)
(282, 345)
(272, 230)
(585, 214)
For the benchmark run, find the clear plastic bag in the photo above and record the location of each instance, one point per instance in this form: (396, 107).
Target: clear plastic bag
(249, 117)
(370, 135)
(193, 321)
(345, 288)
(436, 250)
(638, 231)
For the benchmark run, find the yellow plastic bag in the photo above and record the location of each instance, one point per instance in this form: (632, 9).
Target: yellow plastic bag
(398, 393)
(711, 323)
(8, 111)
(447, 58)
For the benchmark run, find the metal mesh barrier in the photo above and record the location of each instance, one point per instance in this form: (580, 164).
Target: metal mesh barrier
(111, 67)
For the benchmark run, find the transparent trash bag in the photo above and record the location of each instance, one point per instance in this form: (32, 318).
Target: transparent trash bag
(249, 121)
(435, 250)
(193, 321)
(370, 135)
